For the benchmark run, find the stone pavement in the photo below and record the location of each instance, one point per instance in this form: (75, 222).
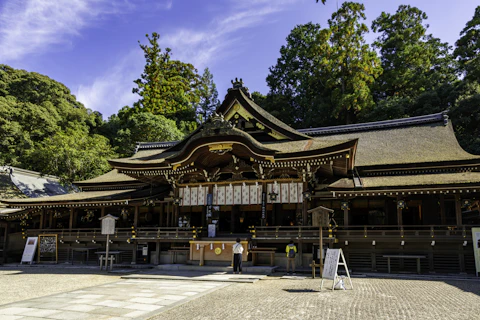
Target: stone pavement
(196, 276)
(372, 298)
(125, 299)
(156, 295)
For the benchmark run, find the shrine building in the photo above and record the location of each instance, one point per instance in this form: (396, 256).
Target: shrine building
(391, 187)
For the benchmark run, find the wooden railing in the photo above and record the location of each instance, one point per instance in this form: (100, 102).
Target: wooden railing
(268, 233)
(120, 233)
(355, 232)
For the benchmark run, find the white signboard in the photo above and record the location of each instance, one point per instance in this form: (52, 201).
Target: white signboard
(476, 247)
(29, 251)
(330, 267)
(108, 224)
(211, 230)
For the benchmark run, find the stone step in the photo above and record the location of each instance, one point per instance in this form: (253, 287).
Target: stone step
(265, 270)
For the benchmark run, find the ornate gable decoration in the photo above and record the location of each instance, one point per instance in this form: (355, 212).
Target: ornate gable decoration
(216, 125)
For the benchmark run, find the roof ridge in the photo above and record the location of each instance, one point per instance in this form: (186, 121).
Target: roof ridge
(403, 122)
(153, 145)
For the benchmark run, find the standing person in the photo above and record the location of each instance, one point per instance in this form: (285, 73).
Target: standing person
(291, 254)
(237, 256)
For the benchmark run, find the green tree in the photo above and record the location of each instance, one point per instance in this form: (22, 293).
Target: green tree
(467, 49)
(465, 115)
(144, 127)
(73, 155)
(298, 95)
(413, 61)
(350, 64)
(36, 111)
(167, 87)
(208, 96)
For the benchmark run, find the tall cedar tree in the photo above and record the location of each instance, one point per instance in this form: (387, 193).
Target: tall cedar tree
(297, 94)
(208, 97)
(167, 87)
(413, 62)
(350, 64)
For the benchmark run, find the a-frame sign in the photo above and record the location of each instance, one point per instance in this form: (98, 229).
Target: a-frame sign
(330, 268)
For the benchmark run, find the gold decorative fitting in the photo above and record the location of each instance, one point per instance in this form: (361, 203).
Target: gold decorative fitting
(221, 148)
(270, 158)
(260, 126)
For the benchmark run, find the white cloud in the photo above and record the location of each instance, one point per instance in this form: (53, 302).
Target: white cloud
(113, 90)
(219, 39)
(34, 26)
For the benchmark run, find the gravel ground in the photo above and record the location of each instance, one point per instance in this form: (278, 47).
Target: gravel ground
(18, 283)
(390, 299)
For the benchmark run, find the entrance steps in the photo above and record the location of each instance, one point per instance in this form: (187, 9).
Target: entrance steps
(264, 270)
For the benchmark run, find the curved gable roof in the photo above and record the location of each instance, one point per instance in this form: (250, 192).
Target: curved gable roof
(260, 115)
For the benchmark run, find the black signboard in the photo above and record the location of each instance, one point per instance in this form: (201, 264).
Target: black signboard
(264, 204)
(209, 205)
(47, 248)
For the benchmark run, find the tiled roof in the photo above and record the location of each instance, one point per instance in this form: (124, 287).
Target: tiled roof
(411, 180)
(414, 140)
(110, 177)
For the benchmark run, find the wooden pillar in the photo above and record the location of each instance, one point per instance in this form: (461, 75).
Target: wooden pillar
(75, 215)
(135, 219)
(345, 216)
(304, 206)
(175, 218)
(458, 209)
(157, 249)
(102, 212)
(300, 251)
(50, 220)
(443, 218)
(134, 250)
(431, 263)
(70, 222)
(202, 252)
(5, 243)
(274, 215)
(204, 217)
(461, 257)
(399, 213)
(168, 214)
(42, 214)
(160, 219)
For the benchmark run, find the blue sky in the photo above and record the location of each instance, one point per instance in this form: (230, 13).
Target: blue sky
(92, 45)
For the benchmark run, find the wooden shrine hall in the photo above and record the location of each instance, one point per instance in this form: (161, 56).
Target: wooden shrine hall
(398, 187)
